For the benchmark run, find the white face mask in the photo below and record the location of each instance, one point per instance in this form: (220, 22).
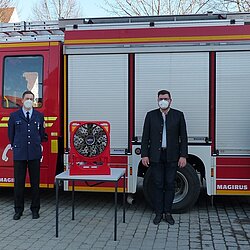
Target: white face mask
(163, 104)
(28, 104)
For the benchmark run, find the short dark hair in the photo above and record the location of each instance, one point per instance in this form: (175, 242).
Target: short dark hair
(27, 92)
(164, 92)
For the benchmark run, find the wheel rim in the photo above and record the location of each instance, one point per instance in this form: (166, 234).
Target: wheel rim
(181, 187)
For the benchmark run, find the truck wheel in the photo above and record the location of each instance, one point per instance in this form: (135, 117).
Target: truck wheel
(187, 189)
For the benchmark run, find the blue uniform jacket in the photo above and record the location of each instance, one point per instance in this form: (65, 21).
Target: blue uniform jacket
(26, 138)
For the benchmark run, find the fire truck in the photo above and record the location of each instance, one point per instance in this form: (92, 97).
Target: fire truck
(110, 69)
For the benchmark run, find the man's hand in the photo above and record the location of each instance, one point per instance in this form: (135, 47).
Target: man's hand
(182, 162)
(145, 161)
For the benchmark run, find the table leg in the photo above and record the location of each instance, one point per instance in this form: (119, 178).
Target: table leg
(115, 226)
(124, 181)
(57, 201)
(73, 200)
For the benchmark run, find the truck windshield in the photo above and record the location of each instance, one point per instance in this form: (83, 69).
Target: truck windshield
(22, 73)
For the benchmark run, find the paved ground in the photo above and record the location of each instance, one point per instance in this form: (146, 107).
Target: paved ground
(224, 226)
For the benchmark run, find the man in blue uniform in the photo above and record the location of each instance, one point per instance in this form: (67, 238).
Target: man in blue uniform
(164, 148)
(26, 132)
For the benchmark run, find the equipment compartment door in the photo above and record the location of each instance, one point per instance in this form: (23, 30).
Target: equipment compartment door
(233, 103)
(98, 91)
(186, 76)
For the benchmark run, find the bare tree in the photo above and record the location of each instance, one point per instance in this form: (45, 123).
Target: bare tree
(238, 5)
(172, 7)
(7, 3)
(54, 9)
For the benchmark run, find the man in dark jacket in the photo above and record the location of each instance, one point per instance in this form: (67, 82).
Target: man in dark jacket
(25, 132)
(164, 148)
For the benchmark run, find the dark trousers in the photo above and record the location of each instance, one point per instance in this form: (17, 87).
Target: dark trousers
(20, 169)
(163, 174)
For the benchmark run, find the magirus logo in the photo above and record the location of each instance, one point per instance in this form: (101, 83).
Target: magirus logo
(6, 179)
(232, 187)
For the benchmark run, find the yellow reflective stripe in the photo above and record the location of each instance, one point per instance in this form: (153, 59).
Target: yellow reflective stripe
(97, 189)
(5, 118)
(49, 124)
(13, 45)
(54, 43)
(2, 184)
(50, 118)
(232, 192)
(43, 185)
(54, 146)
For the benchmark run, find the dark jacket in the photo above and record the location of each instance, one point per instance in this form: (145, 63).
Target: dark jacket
(26, 138)
(177, 144)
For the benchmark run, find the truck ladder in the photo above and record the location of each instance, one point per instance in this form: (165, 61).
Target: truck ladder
(208, 19)
(30, 31)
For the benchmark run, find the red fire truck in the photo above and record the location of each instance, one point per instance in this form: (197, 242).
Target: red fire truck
(110, 69)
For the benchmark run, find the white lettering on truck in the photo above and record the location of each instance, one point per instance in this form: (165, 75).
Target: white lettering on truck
(4, 179)
(232, 187)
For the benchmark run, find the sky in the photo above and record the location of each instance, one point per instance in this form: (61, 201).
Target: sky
(91, 8)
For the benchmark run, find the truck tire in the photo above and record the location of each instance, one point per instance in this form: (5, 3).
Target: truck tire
(187, 189)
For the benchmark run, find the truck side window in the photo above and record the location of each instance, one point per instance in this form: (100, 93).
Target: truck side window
(22, 73)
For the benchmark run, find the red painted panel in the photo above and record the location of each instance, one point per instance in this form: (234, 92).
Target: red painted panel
(237, 172)
(205, 32)
(98, 184)
(233, 161)
(118, 159)
(234, 168)
(7, 174)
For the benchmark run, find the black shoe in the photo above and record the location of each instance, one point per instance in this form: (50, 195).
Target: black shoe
(170, 219)
(35, 215)
(17, 215)
(157, 219)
